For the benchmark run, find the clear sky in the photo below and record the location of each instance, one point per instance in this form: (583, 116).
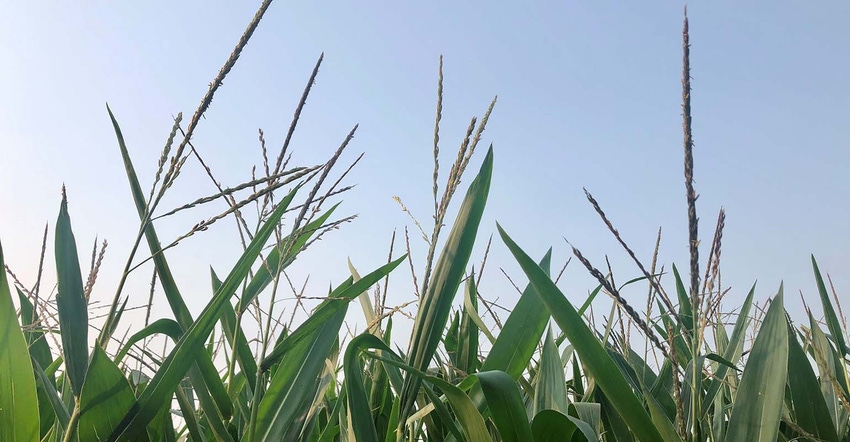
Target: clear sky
(589, 95)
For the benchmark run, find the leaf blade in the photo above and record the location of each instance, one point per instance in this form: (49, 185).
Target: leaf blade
(19, 419)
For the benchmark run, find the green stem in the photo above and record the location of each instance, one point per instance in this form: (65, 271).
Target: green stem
(71, 430)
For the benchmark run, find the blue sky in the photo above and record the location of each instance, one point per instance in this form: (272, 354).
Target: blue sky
(589, 96)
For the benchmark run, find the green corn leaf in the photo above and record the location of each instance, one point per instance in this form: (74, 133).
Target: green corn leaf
(468, 330)
(392, 435)
(732, 353)
(71, 302)
(758, 404)
(661, 419)
(552, 426)
(686, 314)
(521, 334)
(211, 380)
(471, 311)
(832, 322)
(164, 326)
(587, 416)
(57, 408)
(338, 299)
(19, 421)
(172, 329)
(161, 388)
(36, 341)
(829, 365)
(188, 414)
(720, 360)
(293, 385)
(506, 407)
(161, 427)
(451, 341)
(550, 390)
(614, 426)
(40, 353)
(596, 360)
(236, 338)
(435, 304)
(808, 404)
(470, 421)
(105, 398)
(291, 245)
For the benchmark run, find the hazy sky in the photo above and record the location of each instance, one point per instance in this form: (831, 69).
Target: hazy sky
(589, 95)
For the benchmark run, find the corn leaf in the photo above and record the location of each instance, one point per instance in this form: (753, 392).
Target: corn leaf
(829, 367)
(552, 426)
(71, 302)
(19, 421)
(236, 337)
(506, 407)
(164, 326)
(290, 246)
(435, 304)
(161, 388)
(832, 322)
(521, 334)
(807, 402)
(338, 299)
(105, 398)
(211, 381)
(470, 421)
(731, 353)
(758, 405)
(550, 390)
(597, 362)
(293, 385)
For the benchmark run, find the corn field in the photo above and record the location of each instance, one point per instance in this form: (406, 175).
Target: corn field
(547, 373)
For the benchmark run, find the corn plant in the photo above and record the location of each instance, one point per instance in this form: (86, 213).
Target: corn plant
(547, 373)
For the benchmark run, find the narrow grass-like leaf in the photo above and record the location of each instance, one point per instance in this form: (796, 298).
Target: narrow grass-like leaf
(236, 337)
(828, 366)
(720, 360)
(686, 314)
(435, 304)
(468, 330)
(392, 424)
(550, 390)
(31, 323)
(19, 421)
(338, 299)
(469, 419)
(163, 326)
(758, 404)
(807, 402)
(161, 387)
(40, 353)
(661, 419)
(105, 398)
(211, 380)
(290, 245)
(832, 322)
(57, 408)
(71, 302)
(294, 382)
(596, 360)
(732, 352)
(521, 334)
